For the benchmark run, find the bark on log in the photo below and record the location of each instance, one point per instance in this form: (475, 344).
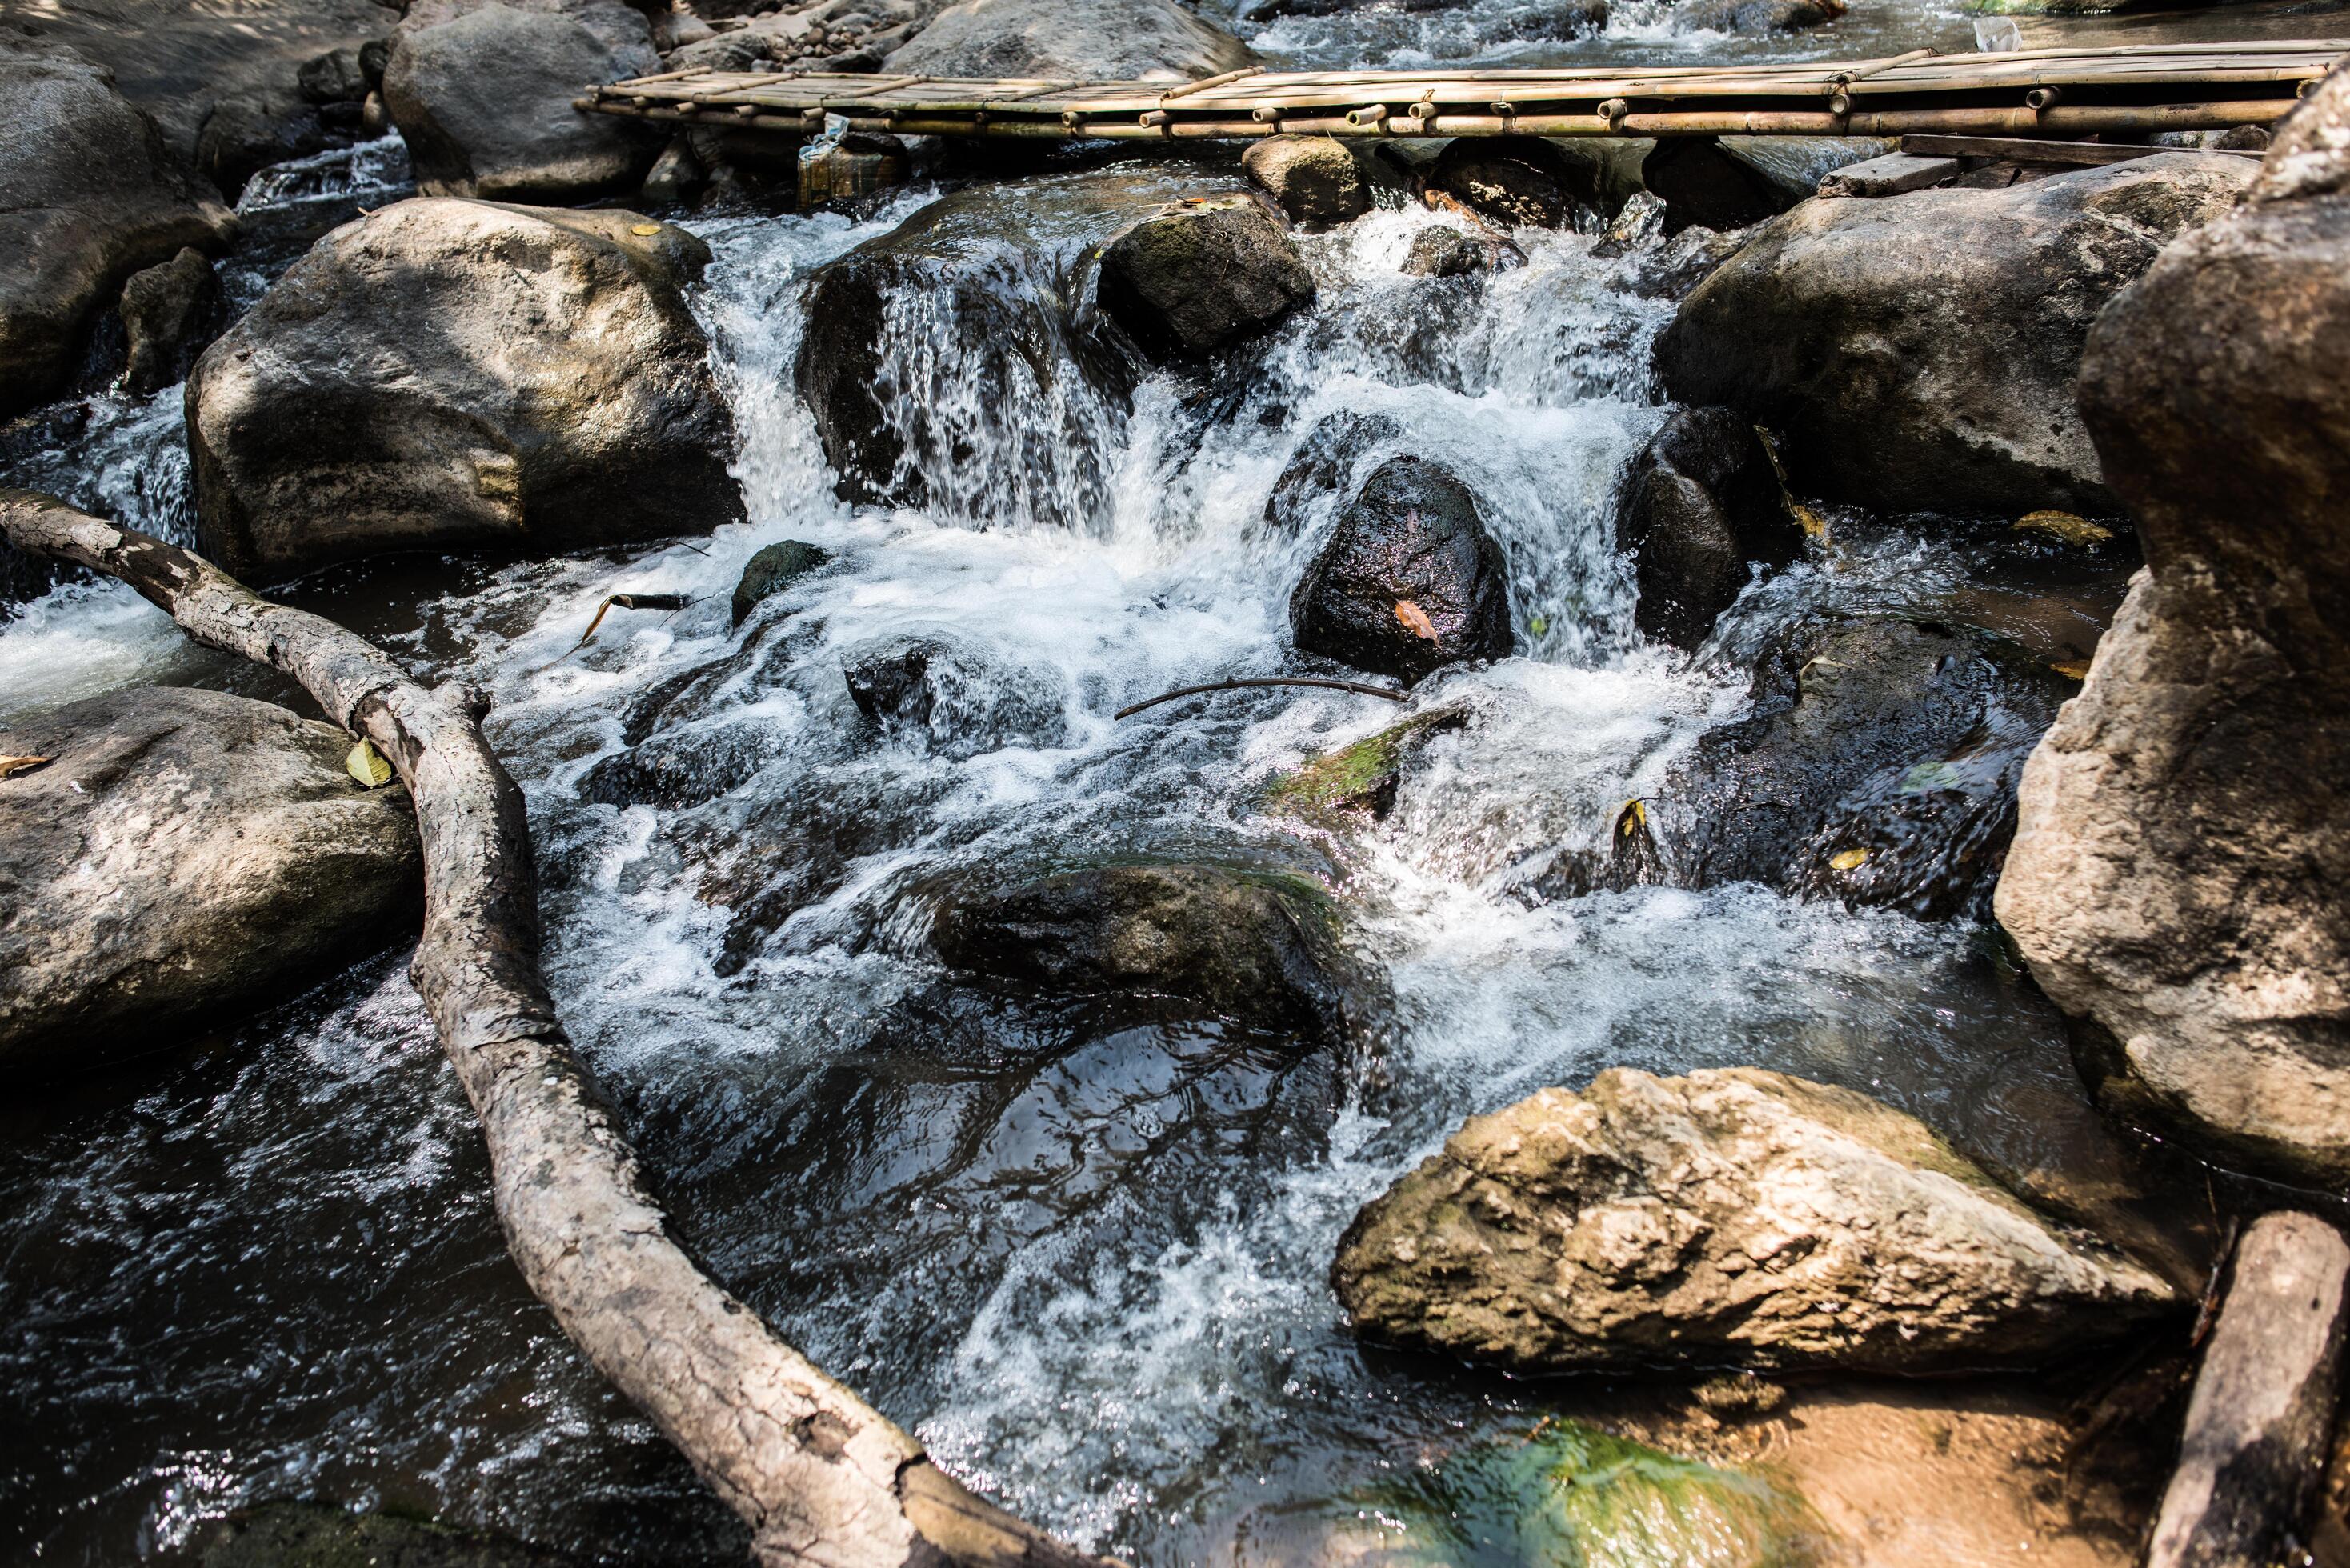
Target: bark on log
(825, 1480)
(2259, 1426)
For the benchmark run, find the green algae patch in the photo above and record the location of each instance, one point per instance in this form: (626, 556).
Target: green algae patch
(1571, 1496)
(1357, 777)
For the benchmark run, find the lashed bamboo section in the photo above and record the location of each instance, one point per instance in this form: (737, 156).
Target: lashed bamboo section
(2055, 93)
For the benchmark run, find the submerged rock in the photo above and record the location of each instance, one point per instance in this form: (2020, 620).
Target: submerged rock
(452, 375)
(1753, 15)
(1099, 40)
(771, 571)
(953, 700)
(1194, 280)
(1728, 1216)
(1442, 251)
(1701, 506)
(1259, 948)
(185, 856)
(1409, 580)
(2181, 869)
(319, 1536)
(482, 96)
(169, 314)
(1325, 464)
(1523, 182)
(1918, 352)
(1315, 178)
(88, 196)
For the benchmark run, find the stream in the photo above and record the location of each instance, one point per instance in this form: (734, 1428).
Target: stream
(1080, 1253)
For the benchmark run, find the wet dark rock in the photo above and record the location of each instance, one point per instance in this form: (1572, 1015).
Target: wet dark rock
(1918, 352)
(677, 178)
(339, 75)
(319, 1536)
(1325, 463)
(1441, 251)
(1753, 15)
(1879, 765)
(88, 196)
(1194, 280)
(2180, 879)
(452, 375)
(169, 314)
(1560, 21)
(187, 857)
(1699, 508)
(1731, 1216)
(686, 766)
(484, 99)
(1002, 272)
(951, 700)
(1705, 187)
(771, 571)
(1523, 182)
(1259, 948)
(1316, 179)
(1414, 536)
(1102, 40)
(246, 134)
(853, 172)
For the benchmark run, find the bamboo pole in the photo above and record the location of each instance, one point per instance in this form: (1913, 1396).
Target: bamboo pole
(824, 1480)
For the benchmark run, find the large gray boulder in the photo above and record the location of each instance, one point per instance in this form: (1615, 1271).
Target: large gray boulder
(2180, 875)
(1081, 40)
(1918, 352)
(450, 375)
(1731, 1216)
(185, 855)
(482, 96)
(88, 196)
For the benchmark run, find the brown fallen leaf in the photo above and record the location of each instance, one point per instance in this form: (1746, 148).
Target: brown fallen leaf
(11, 766)
(1415, 620)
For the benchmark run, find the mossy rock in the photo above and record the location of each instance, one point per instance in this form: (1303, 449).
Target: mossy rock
(1569, 1495)
(320, 1535)
(1360, 778)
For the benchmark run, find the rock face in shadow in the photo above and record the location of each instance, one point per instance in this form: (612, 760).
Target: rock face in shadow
(88, 196)
(2181, 869)
(170, 313)
(1520, 181)
(454, 375)
(1918, 352)
(1194, 280)
(1259, 948)
(1728, 1216)
(1094, 40)
(214, 858)
(1699, 509)
(1409, 580)
(320, 1535)
(484, 99)
(1704, 186)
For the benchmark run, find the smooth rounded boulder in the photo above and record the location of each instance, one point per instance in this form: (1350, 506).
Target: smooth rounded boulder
(1409, 580)
(484, 98)
(2180, 875)
(1699, 509)
(1314, 178)
(450, 374)
(183, 857)
(1070, 40)
(88, 196)
(1916, 353)
(1205, 274)
(1731, 1216)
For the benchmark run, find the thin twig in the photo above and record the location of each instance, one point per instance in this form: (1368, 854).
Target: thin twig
(1388, 692)
(670, 602)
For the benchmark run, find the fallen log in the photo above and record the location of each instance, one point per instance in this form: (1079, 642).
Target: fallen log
(824, 1480)
(2259, 1424)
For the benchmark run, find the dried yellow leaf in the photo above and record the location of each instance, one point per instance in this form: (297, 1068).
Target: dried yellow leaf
(11, 766)
(366, 764)
(647, 230)
(1415, 620)
(2072, 528)
(1849, 859)
(2072, 669)
(1632, 819)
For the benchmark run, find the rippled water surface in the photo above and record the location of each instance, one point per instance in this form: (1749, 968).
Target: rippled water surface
(1081, 1253)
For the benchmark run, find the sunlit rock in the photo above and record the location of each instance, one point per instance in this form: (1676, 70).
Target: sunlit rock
(1728, 1216)
(1315, 178)
(1099, 40)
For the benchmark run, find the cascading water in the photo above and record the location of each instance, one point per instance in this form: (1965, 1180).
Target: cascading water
(1081, 1254)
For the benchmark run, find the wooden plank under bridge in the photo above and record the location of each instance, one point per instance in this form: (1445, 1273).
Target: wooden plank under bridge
(2050, 93)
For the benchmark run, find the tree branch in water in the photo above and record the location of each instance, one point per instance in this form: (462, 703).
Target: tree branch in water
(1243, 682)
(824, 1480)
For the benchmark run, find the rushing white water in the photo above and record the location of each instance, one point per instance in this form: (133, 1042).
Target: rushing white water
(1084, 1260)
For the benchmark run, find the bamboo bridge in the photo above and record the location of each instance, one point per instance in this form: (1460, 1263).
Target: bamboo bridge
(2056, 94)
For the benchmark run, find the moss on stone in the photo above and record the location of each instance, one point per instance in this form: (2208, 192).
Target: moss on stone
(1360, 776)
